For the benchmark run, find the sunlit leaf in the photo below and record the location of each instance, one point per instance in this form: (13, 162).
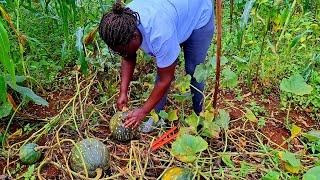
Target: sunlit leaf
(186, 147)
(295, 131)
(187, 130)
(249, 115)
(239, 59)
(296, 85)
(208, 115)
(154, 116)
(292, 169)
(183, 83)
(193, 121)
(223, 59)
(312, 174)
(172, 115)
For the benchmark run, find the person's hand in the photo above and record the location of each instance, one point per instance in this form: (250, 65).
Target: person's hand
(134, 118)
(122, 101)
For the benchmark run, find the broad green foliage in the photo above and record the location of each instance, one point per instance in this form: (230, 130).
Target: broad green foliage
(292, 163)
(313, 135)
(5, 81)
(296, 85)
(223, 119)
(203, 71)
(290, 158)
(28, 175)
(183, 83)
(250, 115)
(186, 147)
(295, 131)
(79, 47)
(271, 175)
(230, 78)
(211, 126)
(171, 115)
(193, 121)
(312, 174)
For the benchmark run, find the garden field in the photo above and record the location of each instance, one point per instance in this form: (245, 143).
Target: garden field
(59, 85)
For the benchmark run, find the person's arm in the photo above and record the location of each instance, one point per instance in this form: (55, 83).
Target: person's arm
(127, 69)
(166, 75)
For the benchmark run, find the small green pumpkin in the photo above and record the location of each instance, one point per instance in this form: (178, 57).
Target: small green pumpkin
(177, 173)
(95, 155)
(28, 154)
(118, 131)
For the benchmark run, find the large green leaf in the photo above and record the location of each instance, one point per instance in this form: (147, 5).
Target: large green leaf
(202, 72)
(186, 147)
(291, 159)
(5, 109)
(193, 121)
(5, 60)
(172, 115)
(3, 90)
(230, 78)
(79, 47)
(296, 85)
(250, 115)
(312, 174)
(183, 83)
(29, 93)
(313, 135)
(210, 129)
(223, 119)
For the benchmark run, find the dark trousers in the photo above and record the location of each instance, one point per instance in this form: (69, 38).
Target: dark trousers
(195, 50)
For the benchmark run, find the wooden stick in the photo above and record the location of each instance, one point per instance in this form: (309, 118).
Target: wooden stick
(218, 55)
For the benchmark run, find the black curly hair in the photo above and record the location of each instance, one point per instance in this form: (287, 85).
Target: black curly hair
(117, 26)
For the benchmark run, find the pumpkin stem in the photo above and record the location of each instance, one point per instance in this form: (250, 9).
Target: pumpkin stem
(99, 173)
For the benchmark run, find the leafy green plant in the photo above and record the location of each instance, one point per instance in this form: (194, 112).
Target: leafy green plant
(28, 174)
(186, 147)
(312, 174)
(8, 77)
(292, 163)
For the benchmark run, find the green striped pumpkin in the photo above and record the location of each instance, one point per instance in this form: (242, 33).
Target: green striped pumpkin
(28, 154)
(119, 132)
(95, 155)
